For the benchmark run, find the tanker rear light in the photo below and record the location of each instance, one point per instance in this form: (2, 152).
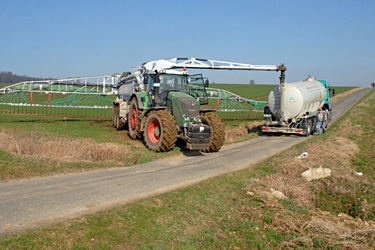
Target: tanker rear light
(265, 129)
(299, 131)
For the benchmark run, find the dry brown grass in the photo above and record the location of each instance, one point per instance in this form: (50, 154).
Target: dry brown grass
(334, 232)
(236, 133)
(61, 149)
(340, 231)
(333, 154)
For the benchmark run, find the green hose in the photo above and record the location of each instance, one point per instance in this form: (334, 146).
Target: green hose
(299, 123)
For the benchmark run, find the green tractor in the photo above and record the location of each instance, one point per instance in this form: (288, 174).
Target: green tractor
(163, 106)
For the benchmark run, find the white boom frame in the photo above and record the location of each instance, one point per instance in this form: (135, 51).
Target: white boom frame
(96, 85)
(196, 63)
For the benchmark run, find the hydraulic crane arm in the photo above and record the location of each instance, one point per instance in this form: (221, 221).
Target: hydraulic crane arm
(196, 63)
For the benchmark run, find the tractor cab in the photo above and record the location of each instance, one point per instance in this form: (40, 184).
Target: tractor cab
(176, 81)
(160, 84)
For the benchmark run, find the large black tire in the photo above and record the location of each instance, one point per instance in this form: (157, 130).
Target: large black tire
(217, 131)
(160, 133)
(134, 120)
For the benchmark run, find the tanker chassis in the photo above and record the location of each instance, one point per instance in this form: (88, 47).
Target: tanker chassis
(294, 107)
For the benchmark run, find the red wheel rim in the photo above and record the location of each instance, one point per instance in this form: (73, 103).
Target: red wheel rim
(134, 119)
(154, 126)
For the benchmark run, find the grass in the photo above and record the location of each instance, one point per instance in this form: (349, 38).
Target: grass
(39, 136)
(255, 92)
(2, 85)
(100, 131)
(234, 211)
(346, 194)
(58, 101)
(340, 89)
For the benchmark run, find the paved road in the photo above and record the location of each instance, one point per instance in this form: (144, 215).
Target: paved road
(41, 201)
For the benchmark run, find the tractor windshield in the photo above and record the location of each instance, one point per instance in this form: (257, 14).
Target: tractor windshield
(178, 83)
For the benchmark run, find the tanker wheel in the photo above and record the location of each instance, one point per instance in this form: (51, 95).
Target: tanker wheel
(217, 131)
(160, 133)
(114, 122)
(307, 126)
(312, 126)
(134, 120)
(120, 123)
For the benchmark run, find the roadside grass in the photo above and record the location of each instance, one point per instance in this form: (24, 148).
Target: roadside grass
(353, 193)
(238, 210)
(39, 145)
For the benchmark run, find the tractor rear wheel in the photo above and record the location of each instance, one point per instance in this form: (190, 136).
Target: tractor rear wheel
(217, 131)
(160, 133)
(134, 120)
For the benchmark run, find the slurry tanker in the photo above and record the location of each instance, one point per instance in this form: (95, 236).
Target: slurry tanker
(294, 107)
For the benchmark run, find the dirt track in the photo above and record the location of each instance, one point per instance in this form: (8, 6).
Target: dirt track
(41, 201)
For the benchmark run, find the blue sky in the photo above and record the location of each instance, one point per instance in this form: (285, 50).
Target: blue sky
(331, 40)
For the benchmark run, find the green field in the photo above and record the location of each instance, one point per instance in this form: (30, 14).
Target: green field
(260, 92)
(254, 92)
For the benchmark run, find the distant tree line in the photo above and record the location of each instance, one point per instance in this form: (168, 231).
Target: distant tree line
(9, 77)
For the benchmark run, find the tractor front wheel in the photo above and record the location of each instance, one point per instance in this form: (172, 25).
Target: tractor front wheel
(217, 131)
(160, 133)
